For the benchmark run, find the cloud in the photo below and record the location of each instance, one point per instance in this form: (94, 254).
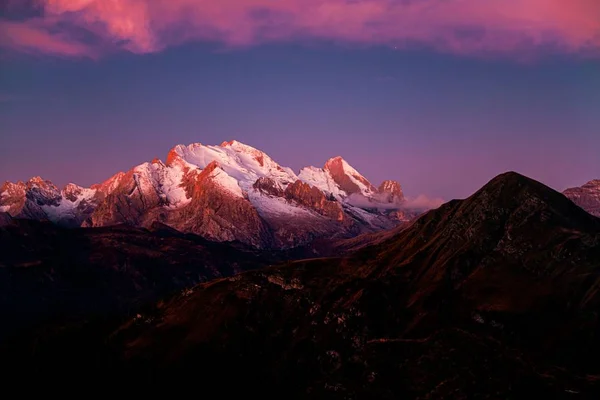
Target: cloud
(469, 27)
(420, 203)
(34, 36)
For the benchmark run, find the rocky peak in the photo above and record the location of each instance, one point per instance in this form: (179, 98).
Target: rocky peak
(527, 200)
(43, 192)
(173, 157)
(72, 191)
(593, 184)
(391, 191)
(37, 180)
(347, 178)
(586, 196)
(110, 184)
(13, 189)
(240, 146)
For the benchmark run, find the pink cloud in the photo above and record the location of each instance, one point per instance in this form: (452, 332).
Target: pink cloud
(498, 27)
(32, 36)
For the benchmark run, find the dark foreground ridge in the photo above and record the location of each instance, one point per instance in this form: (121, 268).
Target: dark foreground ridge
(495, 296)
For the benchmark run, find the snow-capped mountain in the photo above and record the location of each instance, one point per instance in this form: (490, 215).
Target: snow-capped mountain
(224, 193)
(586, 196)
(42, 200)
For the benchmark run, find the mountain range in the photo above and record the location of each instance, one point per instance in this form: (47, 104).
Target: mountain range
(230, 192)
(494, 296)
(233, 192)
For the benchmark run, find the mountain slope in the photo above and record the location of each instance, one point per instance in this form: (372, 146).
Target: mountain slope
(586, 196)
(514, 263)
(494, 296)
(49, 273)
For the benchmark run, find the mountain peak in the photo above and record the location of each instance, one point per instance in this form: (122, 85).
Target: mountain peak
(228, 143)
(348, 178)
(237, 145)
(37, 180)
(335, 161)
(512, 192)
(512, 176)
(392, 191)
(173, 156)
(586, 196)
(593, 184)
(512, 182)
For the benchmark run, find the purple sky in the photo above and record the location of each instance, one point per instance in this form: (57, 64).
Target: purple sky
(86, 92)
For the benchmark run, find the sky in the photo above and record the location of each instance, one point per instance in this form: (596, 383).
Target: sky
(441, 95)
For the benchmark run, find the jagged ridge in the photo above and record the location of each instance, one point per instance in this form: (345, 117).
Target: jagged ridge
(227, 192)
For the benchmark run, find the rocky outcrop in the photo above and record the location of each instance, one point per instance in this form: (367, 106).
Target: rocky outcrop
(218, 214)
(313, 198)
(268, 186)
(390, 192)
(347, 178)
(586, 196)
(127, 203)
(13, 198)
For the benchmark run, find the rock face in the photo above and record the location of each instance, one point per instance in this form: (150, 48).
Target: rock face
(586, 196)
(219, 212)
(347, 178)
(231, 192)
(313, 198)
(268, 186)
(391, 192)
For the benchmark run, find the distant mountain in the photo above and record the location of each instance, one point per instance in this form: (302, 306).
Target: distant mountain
(231, 192)
(495, 296)
(41, 200)
(586, 196)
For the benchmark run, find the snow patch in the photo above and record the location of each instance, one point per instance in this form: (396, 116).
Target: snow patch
(165, 181)
(67, 208)
(227, 182)
(243, 163)
(322, 180)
